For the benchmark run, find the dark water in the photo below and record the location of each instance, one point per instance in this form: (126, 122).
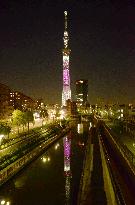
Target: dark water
(53, 178)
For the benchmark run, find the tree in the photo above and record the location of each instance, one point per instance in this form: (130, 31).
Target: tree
(18, 118)
(44, 113)
(5, 129)
(28, 116)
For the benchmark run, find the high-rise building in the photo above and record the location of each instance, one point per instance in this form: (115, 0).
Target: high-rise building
(11, 100)
(71, 107)
(66, 93)
(21, 101)
(81, 91)
(5, 108)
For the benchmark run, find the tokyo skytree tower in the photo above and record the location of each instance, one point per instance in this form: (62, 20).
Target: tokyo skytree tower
(66, 93)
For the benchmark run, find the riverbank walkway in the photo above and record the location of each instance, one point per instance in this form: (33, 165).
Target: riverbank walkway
(95, 186)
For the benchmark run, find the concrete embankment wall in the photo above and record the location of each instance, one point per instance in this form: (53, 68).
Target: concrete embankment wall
(95, 177)
(92, 187)
(19, 164)
(108, 186)
(86, 174)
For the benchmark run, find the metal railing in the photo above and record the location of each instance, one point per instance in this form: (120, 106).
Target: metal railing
(127, 154)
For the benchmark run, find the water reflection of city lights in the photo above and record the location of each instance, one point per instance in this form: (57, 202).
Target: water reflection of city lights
(67, 171)
(80, 128)
(81, 144)
(56, 146)
(90, 125)
(45, 159)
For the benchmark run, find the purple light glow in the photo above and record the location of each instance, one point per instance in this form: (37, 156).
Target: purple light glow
(67, 143)
(67, 152)
(66, 93)
(66, 77)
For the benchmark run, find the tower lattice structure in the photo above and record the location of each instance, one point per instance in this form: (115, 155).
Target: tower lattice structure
(66, 93)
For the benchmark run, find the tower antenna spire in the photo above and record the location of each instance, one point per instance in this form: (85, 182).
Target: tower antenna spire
(66, 37)
(66, 93)
(65, 13)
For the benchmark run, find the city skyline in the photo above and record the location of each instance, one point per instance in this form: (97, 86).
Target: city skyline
(102, 40)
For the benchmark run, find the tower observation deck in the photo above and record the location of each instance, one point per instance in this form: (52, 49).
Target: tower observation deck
(66, 93)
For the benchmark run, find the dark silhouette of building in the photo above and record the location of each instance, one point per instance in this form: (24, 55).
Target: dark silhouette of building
(11, 100)
(5, 108)
(71, 107)
(82, 92)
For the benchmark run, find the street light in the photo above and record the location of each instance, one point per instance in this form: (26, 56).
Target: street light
(45, 159)
(1, 136)
(56, 146)
(3, 202)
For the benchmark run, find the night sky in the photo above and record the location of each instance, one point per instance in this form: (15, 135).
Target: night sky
(102, 42)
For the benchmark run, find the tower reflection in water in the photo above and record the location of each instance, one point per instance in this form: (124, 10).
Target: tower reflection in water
(67, 171)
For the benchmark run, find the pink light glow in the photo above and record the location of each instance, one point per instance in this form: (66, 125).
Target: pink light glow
(66, 93)
(67, 152)
(66, 77)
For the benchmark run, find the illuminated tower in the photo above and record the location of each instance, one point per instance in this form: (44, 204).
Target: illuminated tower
(66, 93)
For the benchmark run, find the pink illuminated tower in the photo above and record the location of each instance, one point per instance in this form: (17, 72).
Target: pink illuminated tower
(66, 93)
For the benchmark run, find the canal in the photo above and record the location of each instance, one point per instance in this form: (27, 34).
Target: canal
(53, 178)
